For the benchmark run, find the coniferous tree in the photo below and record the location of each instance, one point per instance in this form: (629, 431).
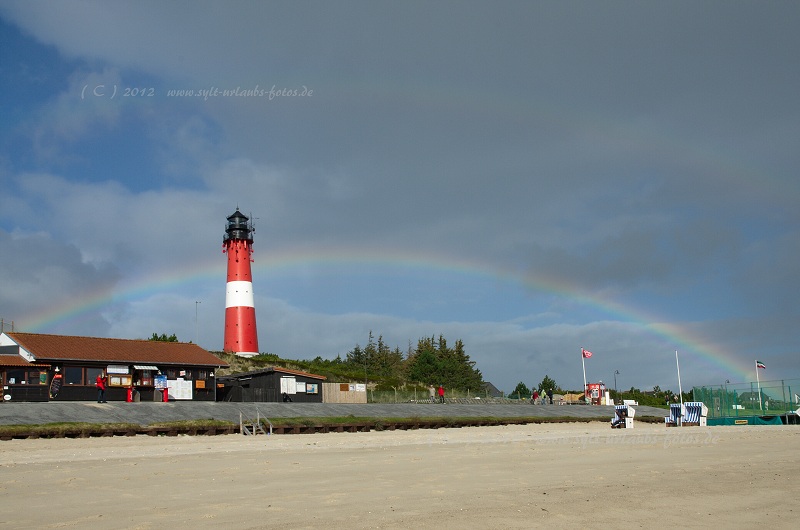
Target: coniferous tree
(424, 367)
(521, 391)
(433, 362)
(356, 357)
(163, 338)
(547, 384)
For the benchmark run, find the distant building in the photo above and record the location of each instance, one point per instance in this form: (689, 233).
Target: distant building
(273, 385)
(491, 390)
(39, 367)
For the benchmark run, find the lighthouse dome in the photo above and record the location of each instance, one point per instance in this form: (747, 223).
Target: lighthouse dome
(238, 227)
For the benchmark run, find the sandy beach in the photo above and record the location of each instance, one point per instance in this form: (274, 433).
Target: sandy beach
(553, 476)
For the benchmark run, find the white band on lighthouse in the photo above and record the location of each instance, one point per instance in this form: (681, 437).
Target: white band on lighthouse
(239, 294)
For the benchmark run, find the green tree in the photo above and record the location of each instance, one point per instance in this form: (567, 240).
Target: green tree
(522, 391)
(356, 357)
(547, 384)
(424, 368)
(163, 338)
(382, 361)
(424, 365)
(433, 362)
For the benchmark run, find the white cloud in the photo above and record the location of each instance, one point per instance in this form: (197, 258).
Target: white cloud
(42, 276)
(85, 106)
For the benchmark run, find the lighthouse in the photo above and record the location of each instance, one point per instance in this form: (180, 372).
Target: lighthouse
(241, 336)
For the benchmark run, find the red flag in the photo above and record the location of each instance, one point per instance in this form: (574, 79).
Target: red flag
(586, 353)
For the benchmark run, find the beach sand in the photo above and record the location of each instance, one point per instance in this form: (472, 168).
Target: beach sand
(521, 476)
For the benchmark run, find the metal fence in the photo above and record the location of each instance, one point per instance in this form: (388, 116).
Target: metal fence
(750, 399)
(422, 396)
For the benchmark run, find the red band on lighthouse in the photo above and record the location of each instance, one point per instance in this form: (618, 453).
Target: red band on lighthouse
(241, 336)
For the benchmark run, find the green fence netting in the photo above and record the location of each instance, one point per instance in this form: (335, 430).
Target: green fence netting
(752, 400)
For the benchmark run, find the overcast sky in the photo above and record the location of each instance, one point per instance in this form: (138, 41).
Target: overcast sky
(529, 177)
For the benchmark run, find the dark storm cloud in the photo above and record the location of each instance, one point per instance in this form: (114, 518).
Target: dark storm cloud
(641, 151)
(40, 275)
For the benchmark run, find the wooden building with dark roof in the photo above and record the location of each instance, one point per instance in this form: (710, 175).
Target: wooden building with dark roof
(272, 384)
(39, 367)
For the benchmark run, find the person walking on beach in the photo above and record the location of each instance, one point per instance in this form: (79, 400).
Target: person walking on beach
(535, 397)
(100, 383)
(550, 395)
(432, 393)
(441, 394)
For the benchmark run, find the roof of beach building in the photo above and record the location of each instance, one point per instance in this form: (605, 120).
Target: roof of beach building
(66, 348)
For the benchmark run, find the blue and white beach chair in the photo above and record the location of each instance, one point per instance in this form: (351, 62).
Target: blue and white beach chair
(623, 417)
(676, 414)
(695, 414)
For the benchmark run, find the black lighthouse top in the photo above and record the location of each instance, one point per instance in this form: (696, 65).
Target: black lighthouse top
(239, 227)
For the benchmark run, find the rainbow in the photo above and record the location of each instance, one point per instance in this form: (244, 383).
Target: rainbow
(291, 260)
(630, 136)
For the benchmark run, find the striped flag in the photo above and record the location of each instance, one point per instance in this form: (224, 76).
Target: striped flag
(586, 353)
(759, 364)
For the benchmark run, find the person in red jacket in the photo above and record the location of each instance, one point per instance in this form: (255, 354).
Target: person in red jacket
(100, 383)
(441, 394)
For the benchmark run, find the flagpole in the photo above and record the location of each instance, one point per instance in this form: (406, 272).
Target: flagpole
(583, 363)
(758, 381)
(680, 388)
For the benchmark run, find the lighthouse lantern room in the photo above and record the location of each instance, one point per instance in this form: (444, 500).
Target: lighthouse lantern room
(241, 336)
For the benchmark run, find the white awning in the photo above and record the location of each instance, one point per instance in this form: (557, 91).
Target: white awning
(117, 369)
(144, 367)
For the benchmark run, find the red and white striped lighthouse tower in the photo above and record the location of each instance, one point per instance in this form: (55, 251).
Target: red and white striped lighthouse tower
(241, 336)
